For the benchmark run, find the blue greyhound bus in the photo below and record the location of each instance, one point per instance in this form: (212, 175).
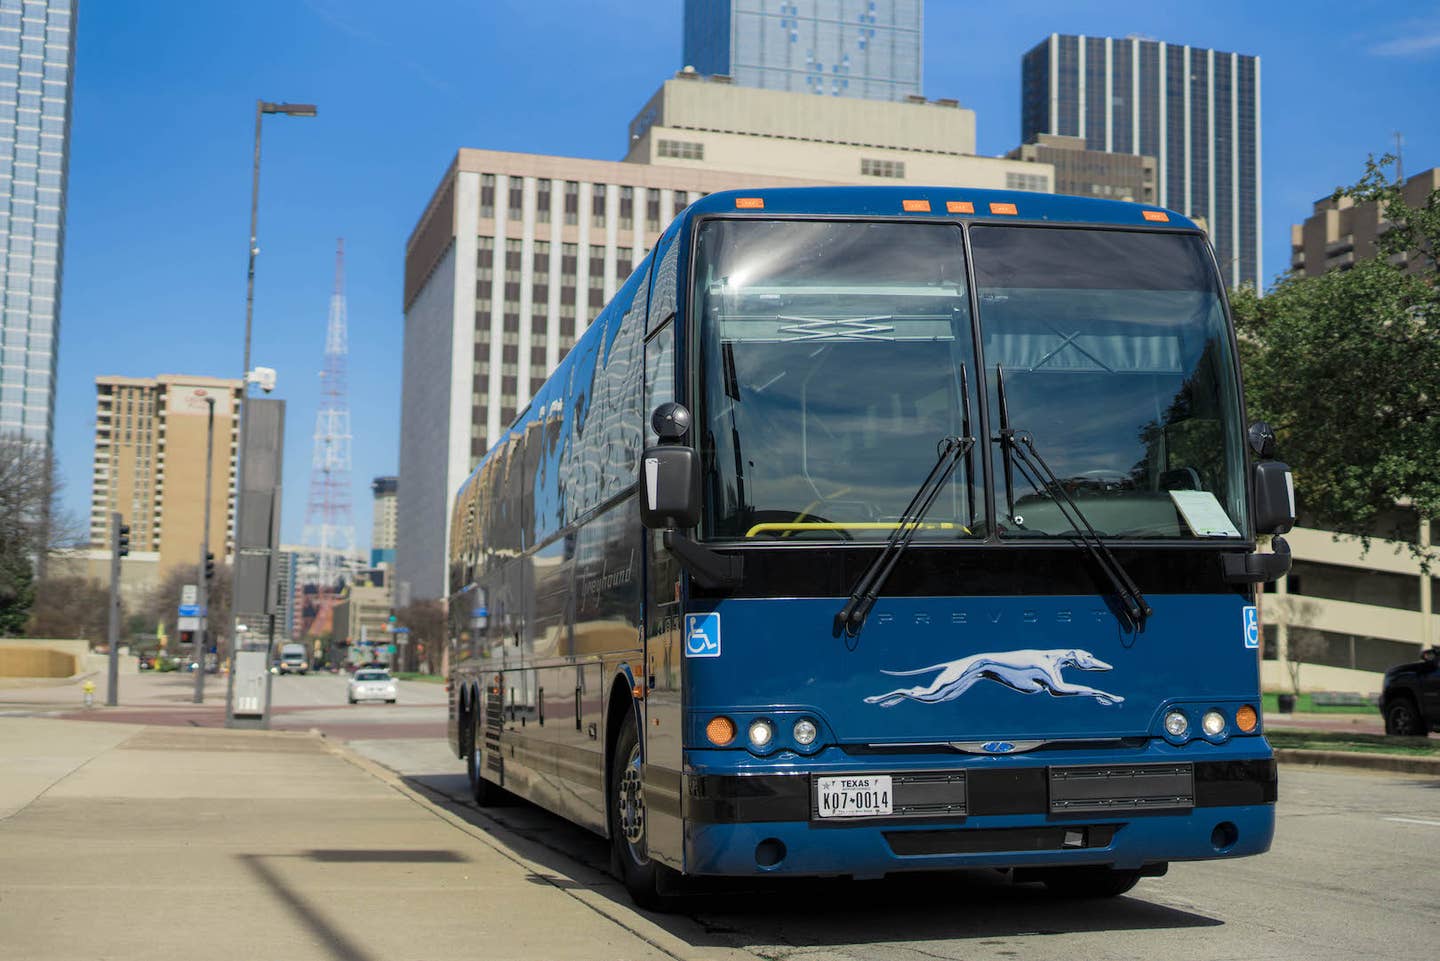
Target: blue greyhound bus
(880, 529)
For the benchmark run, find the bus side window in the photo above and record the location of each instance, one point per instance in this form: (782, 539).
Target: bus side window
(659, 376)
(663, 290)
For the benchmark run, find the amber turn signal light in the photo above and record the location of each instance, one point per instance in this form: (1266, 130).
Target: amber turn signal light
(1245, 719)
(720, 731)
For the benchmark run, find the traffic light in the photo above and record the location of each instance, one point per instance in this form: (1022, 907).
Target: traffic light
(187, 637)
(122, 540)
(209, 567)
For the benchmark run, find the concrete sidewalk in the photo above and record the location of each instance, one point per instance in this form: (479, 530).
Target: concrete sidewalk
(126, 842)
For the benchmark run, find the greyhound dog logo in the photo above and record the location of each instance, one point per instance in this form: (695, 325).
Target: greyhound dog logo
(1028, 672)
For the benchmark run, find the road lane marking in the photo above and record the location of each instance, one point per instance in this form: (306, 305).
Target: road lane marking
(1433, 824)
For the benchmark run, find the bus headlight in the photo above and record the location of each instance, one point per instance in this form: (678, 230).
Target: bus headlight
(805, 732)
(1213, 723)
(762, 732)
(1176, 723)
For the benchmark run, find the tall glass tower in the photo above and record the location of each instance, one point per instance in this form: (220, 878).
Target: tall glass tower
(1196, 111)
(37, 61)
(837, 48)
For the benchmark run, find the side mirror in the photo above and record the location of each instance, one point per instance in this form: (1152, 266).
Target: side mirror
(670, 474)
(1274, 498)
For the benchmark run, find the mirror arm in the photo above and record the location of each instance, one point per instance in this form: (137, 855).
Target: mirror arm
(1257, 568)
(709, 568)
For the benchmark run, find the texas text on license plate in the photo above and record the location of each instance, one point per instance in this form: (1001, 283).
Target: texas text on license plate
(853, 796)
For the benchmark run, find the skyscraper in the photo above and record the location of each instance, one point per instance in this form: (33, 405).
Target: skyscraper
(37, 59)
(838, 48)
(1196, 111)
(382, 537)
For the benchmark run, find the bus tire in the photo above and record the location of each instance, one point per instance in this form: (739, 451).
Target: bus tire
(1089, 881)
(629, 858)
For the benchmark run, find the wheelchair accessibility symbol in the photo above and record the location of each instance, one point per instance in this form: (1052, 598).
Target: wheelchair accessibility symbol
(702, 635)
(1252, 627)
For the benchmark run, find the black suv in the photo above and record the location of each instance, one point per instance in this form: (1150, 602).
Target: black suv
(1410, 700)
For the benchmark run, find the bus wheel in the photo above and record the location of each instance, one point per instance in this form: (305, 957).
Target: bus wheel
(485, 793)
(1090, 881)
(629, 854)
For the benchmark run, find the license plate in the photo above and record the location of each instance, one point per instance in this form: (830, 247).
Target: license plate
(854, 797)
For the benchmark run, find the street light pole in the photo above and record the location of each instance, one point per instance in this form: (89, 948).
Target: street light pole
(204, 570)
(262, 107)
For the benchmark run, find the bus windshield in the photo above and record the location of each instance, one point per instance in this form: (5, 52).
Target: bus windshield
(835, 358)
(1117, 365)
(836, 355)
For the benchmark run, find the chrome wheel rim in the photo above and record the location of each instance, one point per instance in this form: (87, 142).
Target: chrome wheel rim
(630, 805)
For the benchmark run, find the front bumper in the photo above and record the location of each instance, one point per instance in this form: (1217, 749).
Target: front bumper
(736, 820)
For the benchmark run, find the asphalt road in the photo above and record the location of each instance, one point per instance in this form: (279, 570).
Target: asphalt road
(1351, 875)
(314, 701)
(302, 702)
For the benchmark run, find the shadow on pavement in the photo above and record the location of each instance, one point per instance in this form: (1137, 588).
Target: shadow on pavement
(306, 912)
(807, 912)
(310, 914)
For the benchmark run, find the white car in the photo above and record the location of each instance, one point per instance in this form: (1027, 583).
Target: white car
(372, 685)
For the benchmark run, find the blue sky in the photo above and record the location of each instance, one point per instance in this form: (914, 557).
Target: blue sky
(163, 122)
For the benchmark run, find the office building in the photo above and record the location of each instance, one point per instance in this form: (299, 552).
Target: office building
(37, 65)
(1196, 111)
(704, 123)
(382, 536)
(835, 48)
(150, 464)
(1341, 232)
(1082, 172)
(511, 259)
(1347, 613)
(516, 253)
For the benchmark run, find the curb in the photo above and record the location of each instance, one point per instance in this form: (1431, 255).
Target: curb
(1355, 759)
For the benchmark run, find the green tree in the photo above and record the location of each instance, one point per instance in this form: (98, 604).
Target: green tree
(1346, 366)
(31, 524)
(17, 592)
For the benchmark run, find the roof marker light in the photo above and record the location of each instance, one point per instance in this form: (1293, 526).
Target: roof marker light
(1158, 216)
(915, 206)
(959, 207)
(749, 203)
(999, 208)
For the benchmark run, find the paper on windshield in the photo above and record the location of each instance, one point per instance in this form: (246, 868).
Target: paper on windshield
(1203, 514)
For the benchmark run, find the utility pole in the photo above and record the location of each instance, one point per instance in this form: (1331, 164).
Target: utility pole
(206, 570)
(119, 547)
(1400, 158)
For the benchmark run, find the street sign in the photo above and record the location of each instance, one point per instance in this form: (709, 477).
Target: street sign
(188, 623)
(189, 595)
(402, 630)
(190, 610)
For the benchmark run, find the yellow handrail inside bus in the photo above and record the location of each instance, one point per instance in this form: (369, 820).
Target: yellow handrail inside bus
(858, 526)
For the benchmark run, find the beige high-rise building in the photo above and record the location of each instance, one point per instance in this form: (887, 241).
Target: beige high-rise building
(1340, 233)
(515, 254)
(150, 464)
(383, 532)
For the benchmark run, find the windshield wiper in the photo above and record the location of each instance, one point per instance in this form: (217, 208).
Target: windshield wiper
(852, 616)
(1042, 478)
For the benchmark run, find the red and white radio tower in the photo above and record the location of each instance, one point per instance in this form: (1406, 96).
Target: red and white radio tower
(329, 526)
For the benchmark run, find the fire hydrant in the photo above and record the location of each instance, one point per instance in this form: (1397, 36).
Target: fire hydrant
(89, 689)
